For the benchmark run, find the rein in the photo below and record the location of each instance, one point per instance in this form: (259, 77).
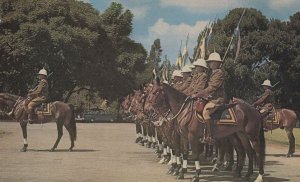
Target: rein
(181, 108)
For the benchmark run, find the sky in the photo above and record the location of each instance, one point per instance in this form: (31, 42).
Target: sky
(172, 20)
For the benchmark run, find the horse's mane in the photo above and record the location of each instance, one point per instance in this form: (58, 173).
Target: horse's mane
(242, 103)
(174, 93)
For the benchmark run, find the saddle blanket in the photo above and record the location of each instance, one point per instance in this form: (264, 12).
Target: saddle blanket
(228, 117)
(273, 118)
(44, 109)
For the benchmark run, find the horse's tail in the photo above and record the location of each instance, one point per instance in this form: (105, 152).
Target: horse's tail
(298, 117)
(73, 122)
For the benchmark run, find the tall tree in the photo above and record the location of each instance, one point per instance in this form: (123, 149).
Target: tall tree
(71, 39)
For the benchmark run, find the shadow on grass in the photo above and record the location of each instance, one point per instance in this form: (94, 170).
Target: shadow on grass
(63, 150)
(282, 155)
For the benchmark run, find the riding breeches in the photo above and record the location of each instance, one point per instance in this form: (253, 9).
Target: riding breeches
(32, 105)
(209, 108)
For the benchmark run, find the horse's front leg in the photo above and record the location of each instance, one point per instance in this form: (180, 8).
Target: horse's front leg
(24, 131)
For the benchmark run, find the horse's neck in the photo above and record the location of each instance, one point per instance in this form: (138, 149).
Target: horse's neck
(9, 99)
(175, 98)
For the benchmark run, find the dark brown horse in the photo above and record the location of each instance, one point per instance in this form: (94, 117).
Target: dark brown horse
(287, 120)
(61, 113)
(248, 130)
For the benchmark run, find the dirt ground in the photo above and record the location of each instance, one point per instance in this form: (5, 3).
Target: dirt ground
(106, 152)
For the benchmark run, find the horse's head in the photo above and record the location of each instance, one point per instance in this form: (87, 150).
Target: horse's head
(126, 104)
(7, 101)
(156, 100)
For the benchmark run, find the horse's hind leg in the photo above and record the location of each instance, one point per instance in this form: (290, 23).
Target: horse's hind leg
(59, 135)
(250, 153)
(72, 136)
(240, 154)
(291, 138)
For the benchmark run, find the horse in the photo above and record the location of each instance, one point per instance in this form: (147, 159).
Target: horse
(61, 113)
(287, 120)
(249, 127)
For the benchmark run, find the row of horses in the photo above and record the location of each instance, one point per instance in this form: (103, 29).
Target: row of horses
(166, 117)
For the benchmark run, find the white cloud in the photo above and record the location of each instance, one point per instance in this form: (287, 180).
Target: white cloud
(138, 9)
(170, 36)
(202, 6)
(139, 12)
(85, 1)
(280, 4)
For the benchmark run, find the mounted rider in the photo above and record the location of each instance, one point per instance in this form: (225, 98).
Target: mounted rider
(177, 82)
(199, 79)
(265, 102)
(187, 79)
(37, 95)
(214, 92)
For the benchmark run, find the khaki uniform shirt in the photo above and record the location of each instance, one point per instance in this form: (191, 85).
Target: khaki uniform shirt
(215, 87)
(198, 83)
(266, 98)
(40, 93)
(186, 83)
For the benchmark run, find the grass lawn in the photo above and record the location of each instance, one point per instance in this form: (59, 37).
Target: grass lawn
(279, 136)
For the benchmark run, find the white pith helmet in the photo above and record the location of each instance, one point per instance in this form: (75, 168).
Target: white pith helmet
(191, 66)
(267, 83)
(186, 69)
(43, 72)
(177, 73)
(214, 57)
(166, 82)
(200, 62)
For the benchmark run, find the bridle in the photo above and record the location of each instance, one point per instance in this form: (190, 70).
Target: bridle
(166, 114)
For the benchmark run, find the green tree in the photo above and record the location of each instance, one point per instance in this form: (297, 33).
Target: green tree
(131, 56)
(83, 48)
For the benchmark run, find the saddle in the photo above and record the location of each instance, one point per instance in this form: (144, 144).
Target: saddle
(271, 117)
(44, 109)
(224, 115)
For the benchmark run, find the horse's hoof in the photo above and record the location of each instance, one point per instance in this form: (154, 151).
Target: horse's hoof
(228, 168)
(70, 150)
(52, 150)
(237, 175)
(289, 155)
(214, 160)
(246, 177)
(215, 168)
(195, 179)
(171, 170)
(24, 149)
(175, 173)
(180, 176)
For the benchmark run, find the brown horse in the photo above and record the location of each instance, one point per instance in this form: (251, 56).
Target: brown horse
(61, 113)
(248, 130)
(287, 120)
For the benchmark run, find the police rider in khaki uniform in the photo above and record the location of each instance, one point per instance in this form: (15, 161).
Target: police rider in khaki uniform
(187, 79)
(200, 77)
(39, 94)
(266, 100)
(214, 92)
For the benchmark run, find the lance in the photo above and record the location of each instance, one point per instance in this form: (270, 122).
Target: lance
(275, 84)
(233, 35)
(203, 35)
